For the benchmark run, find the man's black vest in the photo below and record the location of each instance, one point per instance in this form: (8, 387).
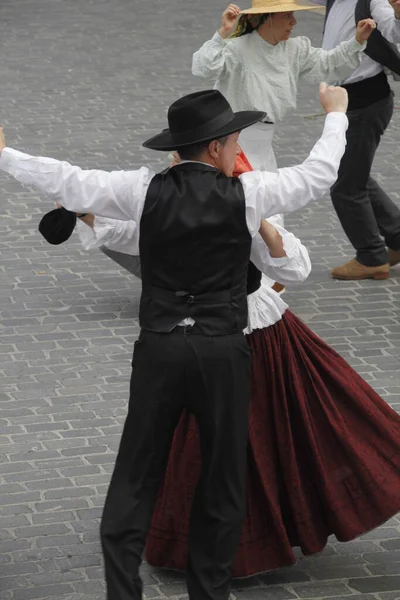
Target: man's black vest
(378, 48)
(194, 249)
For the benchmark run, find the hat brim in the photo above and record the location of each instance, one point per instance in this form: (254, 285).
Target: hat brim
(164, 141)
(278, 9)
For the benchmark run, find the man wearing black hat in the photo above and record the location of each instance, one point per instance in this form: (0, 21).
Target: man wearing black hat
(195, 227)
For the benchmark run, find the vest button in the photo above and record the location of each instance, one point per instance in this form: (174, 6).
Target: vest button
(190, 299)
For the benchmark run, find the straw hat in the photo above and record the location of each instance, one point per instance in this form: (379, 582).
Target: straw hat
(275, 6)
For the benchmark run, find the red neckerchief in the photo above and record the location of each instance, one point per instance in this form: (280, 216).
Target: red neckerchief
(242, 165)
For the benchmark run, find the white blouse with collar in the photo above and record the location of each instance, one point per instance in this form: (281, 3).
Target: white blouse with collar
(255, 75)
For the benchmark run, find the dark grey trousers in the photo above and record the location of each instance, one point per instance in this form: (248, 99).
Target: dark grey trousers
(370, 219)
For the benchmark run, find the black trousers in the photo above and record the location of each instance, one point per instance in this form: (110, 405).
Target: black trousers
(211, 377)
(370, 219)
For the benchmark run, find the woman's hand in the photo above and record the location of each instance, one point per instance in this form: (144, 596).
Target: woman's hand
(364, 30)
(229, 20)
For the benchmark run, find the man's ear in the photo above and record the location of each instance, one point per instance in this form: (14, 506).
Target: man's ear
(213, 149)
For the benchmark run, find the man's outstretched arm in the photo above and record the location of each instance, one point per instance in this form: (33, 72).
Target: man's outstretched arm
(292, 188)
(116, 194)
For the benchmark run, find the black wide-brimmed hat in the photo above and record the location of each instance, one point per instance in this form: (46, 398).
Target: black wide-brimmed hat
(201, 117)
(57, 225)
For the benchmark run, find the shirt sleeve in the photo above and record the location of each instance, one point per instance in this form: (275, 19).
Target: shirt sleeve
(294, 267)
(384, 17)
(116, 194)
(292, 188)
(121, 236)
(214, 58)
(318, 65)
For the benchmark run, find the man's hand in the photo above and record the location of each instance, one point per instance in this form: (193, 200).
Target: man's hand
(395, 4)
(364, 30)
(229, 19)
(2, 140)
(333, 99)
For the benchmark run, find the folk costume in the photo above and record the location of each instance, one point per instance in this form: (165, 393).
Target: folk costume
(194, 236)
(324, 448)
(255, 75)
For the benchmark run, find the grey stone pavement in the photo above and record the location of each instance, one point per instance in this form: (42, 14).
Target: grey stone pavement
(87, 81)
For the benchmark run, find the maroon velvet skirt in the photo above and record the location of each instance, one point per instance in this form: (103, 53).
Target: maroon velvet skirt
(323, 457)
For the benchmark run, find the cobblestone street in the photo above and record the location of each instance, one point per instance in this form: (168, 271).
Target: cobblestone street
(87, 81)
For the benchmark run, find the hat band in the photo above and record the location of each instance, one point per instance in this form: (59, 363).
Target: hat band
(265, 4)
(191, 136)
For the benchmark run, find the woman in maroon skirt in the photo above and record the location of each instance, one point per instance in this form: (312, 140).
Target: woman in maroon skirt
(324, 451)
(324, 448)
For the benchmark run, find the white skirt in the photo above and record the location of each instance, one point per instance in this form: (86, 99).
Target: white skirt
(256, 143)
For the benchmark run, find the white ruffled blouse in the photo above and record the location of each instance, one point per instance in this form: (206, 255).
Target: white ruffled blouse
(255, 75)
(266, 307)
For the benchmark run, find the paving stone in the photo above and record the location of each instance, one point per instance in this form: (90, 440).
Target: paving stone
(42, 592)
(277, 593)
(386, 569)
(375, 584)
(391, 544)
(245, 584)
(151, 592)
(319, 590)
(173, 589)
(342, 572)
(383, 557)
(357, 597)
(285, 576)
(358, 545)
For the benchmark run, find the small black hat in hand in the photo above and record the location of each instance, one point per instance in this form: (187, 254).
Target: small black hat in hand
(57, 226)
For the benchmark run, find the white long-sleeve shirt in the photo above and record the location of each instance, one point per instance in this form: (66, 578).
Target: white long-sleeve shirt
(121, 194)
(255, 75)
(120, 236)
(341, 26)
(265, 306)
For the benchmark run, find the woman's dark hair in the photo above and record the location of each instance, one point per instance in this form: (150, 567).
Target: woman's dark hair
(249, 23)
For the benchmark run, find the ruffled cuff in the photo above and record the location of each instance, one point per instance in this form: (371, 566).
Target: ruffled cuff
(96, 237)
(86, 236)
(218, 39)
(354, 46)
(291, 247)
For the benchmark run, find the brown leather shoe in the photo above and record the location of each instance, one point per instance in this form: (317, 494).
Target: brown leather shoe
(279, 288)
(394, 257)
(353, 270)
